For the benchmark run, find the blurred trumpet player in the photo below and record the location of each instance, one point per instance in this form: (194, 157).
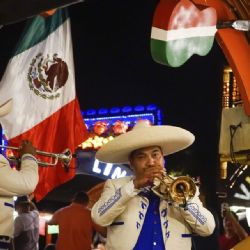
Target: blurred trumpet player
(137, 212)
(15, 183)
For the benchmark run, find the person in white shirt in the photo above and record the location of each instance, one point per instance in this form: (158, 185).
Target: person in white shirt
(136, 218)
(15, 183)
(26, 226)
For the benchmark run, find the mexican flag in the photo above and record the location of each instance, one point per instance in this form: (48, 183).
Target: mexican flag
(40, 80)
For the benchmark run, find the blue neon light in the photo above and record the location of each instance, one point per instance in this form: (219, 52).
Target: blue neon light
(115, 110)
(126, 109)
(127, 114)
(151, 107)
(102, 111)
(139, 108)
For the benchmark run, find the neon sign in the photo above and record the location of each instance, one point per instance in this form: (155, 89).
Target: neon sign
(87, 164)
(109, 170)
(245, 192)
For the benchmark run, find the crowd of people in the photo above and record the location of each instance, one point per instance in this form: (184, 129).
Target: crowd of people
(130, 213)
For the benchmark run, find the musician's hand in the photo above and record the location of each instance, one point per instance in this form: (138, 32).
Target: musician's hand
(27, 148)
(147, 177)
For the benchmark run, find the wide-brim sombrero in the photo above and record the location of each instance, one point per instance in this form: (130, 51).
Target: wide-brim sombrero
(5, 107)
(171, 139)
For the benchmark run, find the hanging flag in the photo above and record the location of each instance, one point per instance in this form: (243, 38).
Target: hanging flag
(28, 8)
(40, 80)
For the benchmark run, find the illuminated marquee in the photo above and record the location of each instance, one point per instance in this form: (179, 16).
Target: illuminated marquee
(104, 124)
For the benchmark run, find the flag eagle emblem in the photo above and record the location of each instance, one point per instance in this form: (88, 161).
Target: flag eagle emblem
(46, 75)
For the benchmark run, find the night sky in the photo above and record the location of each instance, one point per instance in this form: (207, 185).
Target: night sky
(114, 67)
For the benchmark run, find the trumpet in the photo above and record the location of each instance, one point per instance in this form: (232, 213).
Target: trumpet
(178, 191)
(65, 157)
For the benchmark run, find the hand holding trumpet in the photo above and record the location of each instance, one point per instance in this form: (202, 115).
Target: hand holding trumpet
(26, 148)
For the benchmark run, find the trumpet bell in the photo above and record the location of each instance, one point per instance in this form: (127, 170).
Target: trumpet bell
(65, 158)
(177, 191)
(182, 189)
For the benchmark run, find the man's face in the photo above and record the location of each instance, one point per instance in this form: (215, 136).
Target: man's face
(144, 158)
(227, 224)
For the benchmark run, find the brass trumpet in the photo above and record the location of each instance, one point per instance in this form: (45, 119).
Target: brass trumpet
(178, 191)
(65, 157)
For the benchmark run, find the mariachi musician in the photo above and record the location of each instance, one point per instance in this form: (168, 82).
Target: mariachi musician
(14, 183)
(136, 210)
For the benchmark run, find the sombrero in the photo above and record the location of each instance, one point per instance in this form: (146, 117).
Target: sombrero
(171, 139)
(5, 107)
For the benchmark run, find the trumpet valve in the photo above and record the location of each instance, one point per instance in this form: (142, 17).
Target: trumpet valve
(161, 186)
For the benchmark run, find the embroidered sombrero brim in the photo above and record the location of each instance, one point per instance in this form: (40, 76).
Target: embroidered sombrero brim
(171, 139)
(5, 108)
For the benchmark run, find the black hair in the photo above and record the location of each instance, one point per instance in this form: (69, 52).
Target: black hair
(81, 197)
(22, 199)
(50, 247)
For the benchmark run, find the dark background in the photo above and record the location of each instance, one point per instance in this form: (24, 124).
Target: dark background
(111, 41)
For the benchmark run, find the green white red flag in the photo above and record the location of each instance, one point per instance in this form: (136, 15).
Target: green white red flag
(40, 80)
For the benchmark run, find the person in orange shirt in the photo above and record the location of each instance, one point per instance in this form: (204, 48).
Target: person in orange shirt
(76, 227)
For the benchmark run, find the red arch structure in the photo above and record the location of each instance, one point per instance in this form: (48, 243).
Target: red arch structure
(234, 44)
